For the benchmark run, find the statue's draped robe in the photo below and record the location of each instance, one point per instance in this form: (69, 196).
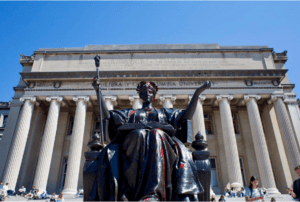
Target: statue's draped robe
(145, 162)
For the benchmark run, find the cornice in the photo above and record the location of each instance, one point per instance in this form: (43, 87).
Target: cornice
(44, 52)
(178, 74)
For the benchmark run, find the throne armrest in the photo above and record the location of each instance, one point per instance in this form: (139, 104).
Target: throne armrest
(185, 135)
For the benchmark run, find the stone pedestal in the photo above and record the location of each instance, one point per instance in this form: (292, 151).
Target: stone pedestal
(46, 150)
(260, 145)
(89, 174)
(75, 151)
(202, 163)
(231, 150)
(17, 148)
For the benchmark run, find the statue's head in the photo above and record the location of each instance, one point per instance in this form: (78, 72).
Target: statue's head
(147, 90)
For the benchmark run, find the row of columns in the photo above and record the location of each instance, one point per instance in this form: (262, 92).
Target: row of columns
(231, 151)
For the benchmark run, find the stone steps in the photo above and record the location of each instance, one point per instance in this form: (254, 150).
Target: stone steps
(282, 197)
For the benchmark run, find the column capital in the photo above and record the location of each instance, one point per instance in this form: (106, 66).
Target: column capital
(219, 98)
(112, 99)
(247, 98)
(57, 98)
(133, 98)
(172, 98)
(291, 100)
(84, 98)
(273, 98)
(31, 99)
(201, 98)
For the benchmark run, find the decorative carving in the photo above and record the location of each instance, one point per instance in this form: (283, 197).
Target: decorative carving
(30, 98)
(275, 82)
(31, 85)
(248, 82)
(280, 57)
(56, 84)
(274, 98)
(162, 98)
(58, 98)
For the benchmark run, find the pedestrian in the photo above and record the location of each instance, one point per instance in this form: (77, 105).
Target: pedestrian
(295, 192)
(53, 198)
(21, 191)
(233, 192)
(273, 199)
(264, 189)
(212, 198)
(253, 192)
(242, 192)
(60, 198)
(43, 195)
(227, 192)
(222, 198)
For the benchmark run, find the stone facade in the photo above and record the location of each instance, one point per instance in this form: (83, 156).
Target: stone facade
(250, 116)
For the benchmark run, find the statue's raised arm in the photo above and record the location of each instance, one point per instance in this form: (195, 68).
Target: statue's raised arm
(189, 112)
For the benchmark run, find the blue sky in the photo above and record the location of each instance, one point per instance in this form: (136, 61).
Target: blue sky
(27, 26)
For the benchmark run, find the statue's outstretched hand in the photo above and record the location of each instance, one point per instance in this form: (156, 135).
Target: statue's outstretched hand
(207, 84)
(96, 83)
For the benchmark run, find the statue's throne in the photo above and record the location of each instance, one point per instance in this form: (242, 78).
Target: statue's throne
(200, 157)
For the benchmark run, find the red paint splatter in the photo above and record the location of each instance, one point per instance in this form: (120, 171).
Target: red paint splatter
(164, 167)
(132, 112)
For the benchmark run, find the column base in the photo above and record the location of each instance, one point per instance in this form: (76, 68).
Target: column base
(271, 191)
(69, 191)
(235, 184)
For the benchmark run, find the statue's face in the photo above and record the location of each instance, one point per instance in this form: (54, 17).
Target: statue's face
(147, 94)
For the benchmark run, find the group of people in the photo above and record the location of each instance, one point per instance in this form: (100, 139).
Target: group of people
(32, 194)
(256, 193)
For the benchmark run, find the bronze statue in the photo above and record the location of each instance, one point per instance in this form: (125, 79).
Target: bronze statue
(146, 161)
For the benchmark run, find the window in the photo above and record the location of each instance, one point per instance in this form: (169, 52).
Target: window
(243, 171)
(208, 124)
(235, 124)
(64, 171)
(5, 120)
(71, 123)
(214, 174)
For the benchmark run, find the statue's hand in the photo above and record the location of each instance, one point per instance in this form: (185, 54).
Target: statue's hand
(96, 83)
(207, 84)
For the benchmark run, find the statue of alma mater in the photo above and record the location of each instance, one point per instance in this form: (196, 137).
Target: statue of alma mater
(146, 161)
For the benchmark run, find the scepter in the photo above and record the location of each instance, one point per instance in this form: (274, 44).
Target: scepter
(98, 93)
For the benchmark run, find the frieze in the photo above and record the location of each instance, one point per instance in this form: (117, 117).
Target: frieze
(161, 84)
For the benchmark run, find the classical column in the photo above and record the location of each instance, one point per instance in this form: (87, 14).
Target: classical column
(75, 151)
(46, 150)
(230, 145)
(136, 102)
(17, 148)
(287, 133)
(167, 101)
(110, 102)
(260, 145)
(295, 116)
(198, 118)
